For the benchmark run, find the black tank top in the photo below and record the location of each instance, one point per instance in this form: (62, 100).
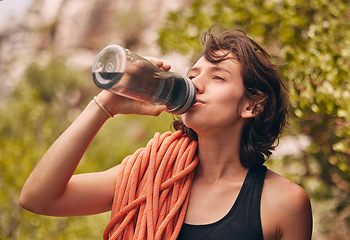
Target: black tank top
(243, 220)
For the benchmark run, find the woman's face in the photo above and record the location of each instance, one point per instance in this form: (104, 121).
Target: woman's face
(221, 103)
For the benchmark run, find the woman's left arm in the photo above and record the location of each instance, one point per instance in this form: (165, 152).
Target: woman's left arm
(297, 218)
(285, 210)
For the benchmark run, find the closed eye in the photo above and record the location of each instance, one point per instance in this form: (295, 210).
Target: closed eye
(191, 77)
(219, 78)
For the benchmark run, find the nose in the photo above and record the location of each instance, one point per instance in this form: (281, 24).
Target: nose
(198, 83)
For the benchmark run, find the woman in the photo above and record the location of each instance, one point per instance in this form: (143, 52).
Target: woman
(240, 111)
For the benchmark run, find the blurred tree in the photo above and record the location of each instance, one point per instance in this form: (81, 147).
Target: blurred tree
(43, 104)
(312, 41)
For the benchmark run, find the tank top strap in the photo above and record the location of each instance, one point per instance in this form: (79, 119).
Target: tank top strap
(251, 206)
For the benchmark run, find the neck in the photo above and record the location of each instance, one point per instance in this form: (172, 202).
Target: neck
(219, 156)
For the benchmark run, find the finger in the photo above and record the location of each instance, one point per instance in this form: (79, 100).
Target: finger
(160, 63)
(141, 108)
(166, 66)
(155, 61)
(152, 110)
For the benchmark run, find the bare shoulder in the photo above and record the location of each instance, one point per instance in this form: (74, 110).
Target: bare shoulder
(290, 206)
(283, 191)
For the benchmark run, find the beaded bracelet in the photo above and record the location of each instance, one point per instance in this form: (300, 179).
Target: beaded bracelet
(102, 107)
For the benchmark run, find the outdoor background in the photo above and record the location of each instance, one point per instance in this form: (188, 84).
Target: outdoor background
(47, 48)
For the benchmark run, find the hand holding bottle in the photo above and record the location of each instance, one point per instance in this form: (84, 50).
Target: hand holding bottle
(117, 104)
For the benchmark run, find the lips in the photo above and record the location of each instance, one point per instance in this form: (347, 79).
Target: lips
(198, 103)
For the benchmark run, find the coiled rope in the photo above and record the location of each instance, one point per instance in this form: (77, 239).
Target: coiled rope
(153, 189)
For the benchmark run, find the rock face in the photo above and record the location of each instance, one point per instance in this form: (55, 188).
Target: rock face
(78, 29)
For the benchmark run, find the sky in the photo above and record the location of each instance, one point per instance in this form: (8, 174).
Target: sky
(12, 8)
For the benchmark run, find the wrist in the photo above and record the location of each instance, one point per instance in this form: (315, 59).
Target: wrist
(95, 110)
(103, 108)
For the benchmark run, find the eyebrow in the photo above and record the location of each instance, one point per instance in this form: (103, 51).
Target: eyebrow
(214, 68)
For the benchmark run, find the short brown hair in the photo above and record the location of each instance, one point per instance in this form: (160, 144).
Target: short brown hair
(263, 85)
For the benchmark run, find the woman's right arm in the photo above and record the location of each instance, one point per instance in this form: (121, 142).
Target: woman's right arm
(52, 189)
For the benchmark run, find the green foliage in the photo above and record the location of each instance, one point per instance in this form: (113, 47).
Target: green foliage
(312, 39)
(41, 107)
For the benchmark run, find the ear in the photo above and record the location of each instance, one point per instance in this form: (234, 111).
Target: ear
(248, 110)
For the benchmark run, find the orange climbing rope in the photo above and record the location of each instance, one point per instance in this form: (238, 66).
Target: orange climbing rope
(153, 189)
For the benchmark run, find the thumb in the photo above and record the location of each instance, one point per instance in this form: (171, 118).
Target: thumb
(149, 109)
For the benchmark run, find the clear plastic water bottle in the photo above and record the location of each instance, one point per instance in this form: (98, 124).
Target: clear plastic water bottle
(125, 73)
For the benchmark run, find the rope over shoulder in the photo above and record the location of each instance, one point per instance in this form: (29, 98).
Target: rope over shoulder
(153, 188)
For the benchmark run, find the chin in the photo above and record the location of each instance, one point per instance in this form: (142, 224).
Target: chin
(195, 124)
(188, 120)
